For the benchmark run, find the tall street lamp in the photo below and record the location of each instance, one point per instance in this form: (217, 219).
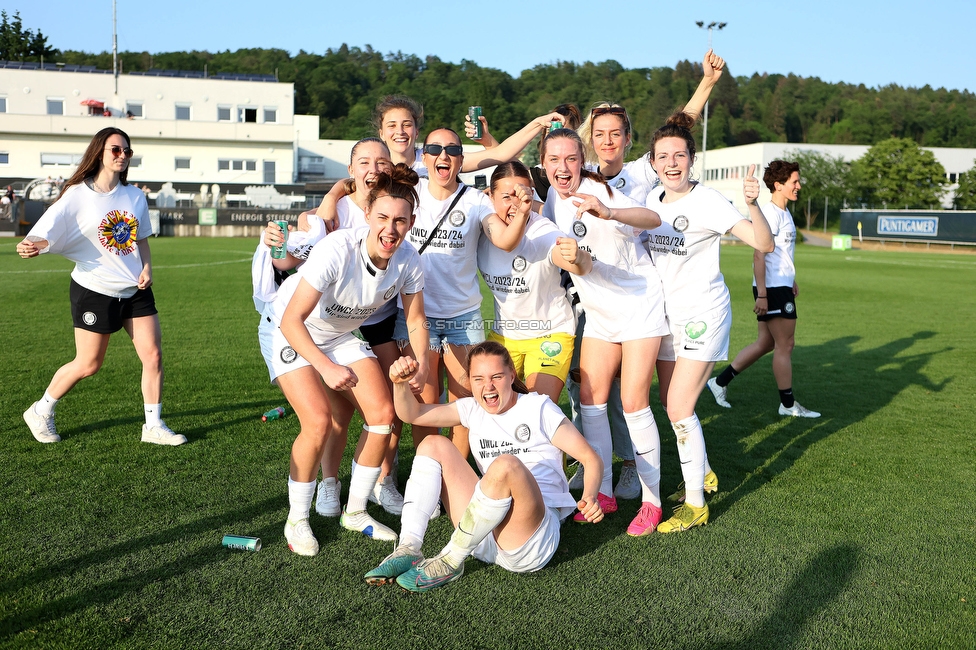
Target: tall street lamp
(712, 25)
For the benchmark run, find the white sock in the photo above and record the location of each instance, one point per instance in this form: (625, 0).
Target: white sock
(691, 451)
(299, 499)
(481, 517)
(420, 499)
(45, 405)
(647, 453)
(596, 430)
(154, 414)
(361, 486)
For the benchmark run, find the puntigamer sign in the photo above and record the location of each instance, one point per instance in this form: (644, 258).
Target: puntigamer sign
(908, 226)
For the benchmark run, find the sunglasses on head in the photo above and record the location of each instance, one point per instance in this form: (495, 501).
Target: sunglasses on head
(118, 151)
(608, 110)
(453, 150)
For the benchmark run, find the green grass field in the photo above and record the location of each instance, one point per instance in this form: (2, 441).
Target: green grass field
(852, 531)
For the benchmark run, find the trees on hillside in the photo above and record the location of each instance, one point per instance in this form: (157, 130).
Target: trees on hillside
(822, 176)
(965, 198)
(19, 44)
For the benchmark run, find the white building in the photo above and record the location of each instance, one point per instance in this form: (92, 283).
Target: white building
(725, 168)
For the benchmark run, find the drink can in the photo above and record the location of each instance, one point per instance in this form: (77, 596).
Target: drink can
(555, 125)
(281, 252)
(474, 113)
(242, 543)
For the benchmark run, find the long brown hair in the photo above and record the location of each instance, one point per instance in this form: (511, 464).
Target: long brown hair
(91, 162)
(678, 126)
(495, 348)
(400, 183)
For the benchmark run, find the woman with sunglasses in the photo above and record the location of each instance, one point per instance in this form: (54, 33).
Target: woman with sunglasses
(685, 249)
(625, 314)
(533, 318)
(450, 222)
(311, 353)
(101, 223)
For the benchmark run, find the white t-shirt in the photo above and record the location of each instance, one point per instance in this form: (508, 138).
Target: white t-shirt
(622, 268)
(98, 232)
(450, 261)
(635, 179)
(685, 249)
(525, 284)
(780, 271)
(352, 217)
(418, 162)
(352, 287)
(524, 431)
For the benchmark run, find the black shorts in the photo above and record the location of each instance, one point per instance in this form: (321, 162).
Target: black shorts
(379, 333)
(96, 312)
(780, 301)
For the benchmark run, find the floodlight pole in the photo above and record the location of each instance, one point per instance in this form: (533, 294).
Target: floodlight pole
(115, 49)
(719, 26)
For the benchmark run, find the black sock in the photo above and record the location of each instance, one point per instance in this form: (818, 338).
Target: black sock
(727, 376)
(786, 397)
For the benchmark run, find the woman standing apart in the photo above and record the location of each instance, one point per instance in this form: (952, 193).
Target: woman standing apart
(775, 306)
(685, 249)
(101, 224)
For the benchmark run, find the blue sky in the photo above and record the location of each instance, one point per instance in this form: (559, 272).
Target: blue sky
(870, 42)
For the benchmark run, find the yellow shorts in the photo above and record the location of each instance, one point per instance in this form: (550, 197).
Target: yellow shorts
(549, 355)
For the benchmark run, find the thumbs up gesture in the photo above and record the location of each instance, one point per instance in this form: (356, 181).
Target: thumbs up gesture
(750, 186)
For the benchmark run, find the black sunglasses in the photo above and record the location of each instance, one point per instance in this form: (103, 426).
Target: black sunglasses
(453, 150)
(118, 151)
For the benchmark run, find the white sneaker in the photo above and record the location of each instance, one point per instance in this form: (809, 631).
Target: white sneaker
(300, 538)
(386, 494)
(327, 501)
(576, 482)
(41, 426)
(720, 393)
(797, 411)
(161, 434)
(628, 487)
(361, 522)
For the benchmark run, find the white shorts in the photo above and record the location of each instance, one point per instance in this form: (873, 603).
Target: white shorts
(531, 556)
(280, 358)
(703, 337)
(643, 320)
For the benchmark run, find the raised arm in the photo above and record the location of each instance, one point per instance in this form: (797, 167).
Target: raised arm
(712, 66)
(507, 236)
(408, 409)
(756, 233)
(509, 148)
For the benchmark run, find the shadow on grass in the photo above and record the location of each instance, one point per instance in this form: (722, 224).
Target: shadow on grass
(106, 592)
(192, 434)
(812, 590)
(868, 381)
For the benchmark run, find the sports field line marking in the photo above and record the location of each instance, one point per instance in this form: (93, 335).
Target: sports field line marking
(947, 264)
(155, 268)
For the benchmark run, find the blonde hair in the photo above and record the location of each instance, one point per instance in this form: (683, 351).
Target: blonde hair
(586, 129)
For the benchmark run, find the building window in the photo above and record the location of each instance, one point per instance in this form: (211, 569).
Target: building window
(4, 158)
(182, 111)
(270, 114)
(3, 104)
(223, 165)
(60, 159)
(247, 114)
(55, 106)
(223, 113)
(269, 172)
(952, 178)
(182, 163)
(135, 161)
(237, 165)
(133, 109)
(251, 165)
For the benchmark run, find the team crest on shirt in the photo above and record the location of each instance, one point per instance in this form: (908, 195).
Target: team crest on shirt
(680, 223)
(789, 308)
(118, 232)
(288, 354)
(519, 264)
(390, 293)
(620, 182)
(579, 229)
(522, 433)
(456, 218)
(88, 318)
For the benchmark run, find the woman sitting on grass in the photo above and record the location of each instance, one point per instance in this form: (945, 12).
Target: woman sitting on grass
(511, 516)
